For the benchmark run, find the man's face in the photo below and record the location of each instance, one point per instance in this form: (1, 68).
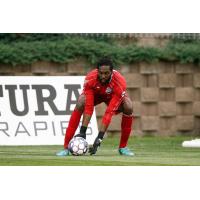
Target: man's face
(104, 74)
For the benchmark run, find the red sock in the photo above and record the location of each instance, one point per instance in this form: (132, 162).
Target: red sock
(72, 126)
(126, 126)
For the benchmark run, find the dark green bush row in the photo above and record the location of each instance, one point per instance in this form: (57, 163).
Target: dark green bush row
(18, 50)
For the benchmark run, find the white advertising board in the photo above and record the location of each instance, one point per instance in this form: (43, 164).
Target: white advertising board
(35, 110)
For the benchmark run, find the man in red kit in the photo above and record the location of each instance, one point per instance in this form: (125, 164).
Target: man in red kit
(107, 85)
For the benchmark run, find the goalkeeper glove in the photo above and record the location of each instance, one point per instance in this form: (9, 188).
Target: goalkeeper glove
(82, 132)
(97, 143)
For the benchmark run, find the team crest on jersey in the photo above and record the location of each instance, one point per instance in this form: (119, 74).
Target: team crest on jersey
(108, 90)
(123, 93)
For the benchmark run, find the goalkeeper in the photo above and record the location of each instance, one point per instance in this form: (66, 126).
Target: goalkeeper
(107, 85)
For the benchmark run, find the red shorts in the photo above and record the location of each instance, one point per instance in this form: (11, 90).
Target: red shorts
(98, 100)
(101, 99)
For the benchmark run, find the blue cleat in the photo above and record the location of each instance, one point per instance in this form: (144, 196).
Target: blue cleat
(64, 152)
(125, 152)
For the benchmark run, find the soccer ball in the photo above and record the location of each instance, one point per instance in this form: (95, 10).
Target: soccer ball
(78, 146)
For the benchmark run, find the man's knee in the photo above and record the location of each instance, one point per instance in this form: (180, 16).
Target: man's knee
(128, 106)
(81, 103)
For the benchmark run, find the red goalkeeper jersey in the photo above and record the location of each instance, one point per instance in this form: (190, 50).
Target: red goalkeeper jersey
(111, 93)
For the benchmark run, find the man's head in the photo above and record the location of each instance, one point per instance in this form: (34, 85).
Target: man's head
(105, 68)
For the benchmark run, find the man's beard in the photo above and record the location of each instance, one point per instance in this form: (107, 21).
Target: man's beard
(106, 82)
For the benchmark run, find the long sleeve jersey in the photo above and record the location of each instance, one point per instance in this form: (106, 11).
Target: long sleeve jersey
(111, 93)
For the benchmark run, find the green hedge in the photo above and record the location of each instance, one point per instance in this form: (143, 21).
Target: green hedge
(26, 49)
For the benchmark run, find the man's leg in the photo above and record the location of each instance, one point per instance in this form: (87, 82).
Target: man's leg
(72, 126)
(74, 120)
(126, 126)
(70, 131)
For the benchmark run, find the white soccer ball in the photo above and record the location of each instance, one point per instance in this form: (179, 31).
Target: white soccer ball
(78, 146)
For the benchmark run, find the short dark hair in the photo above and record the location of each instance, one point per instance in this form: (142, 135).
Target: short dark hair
(106, 62)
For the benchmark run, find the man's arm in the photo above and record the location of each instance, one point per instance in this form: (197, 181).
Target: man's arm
(88, 110)
(89, 105)
(111, 109)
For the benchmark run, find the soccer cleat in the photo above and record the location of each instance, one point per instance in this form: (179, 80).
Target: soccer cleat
(93, 149)
(64, 152)
(126, 152)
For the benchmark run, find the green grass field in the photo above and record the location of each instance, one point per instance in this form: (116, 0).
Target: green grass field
(150, 151)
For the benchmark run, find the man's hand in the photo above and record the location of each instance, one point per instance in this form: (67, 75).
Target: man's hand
(93, 149)
(82, 135)
(82, 132)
